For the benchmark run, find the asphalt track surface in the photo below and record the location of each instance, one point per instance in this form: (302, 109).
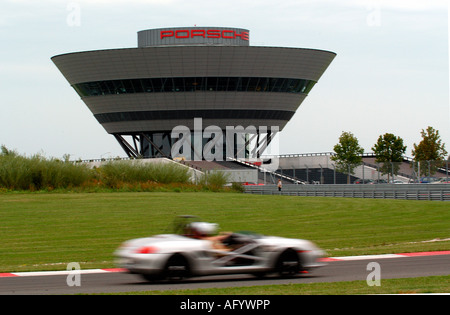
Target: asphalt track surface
(117, 282)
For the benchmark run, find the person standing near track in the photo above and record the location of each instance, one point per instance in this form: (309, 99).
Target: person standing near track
(279, 185)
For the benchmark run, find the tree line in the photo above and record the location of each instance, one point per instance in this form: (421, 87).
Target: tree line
(389, 151)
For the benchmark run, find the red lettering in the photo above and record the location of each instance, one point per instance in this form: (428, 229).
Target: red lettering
(182, 36)
(228, 34)
(200, 33)
(227, 31)
(243, 35)
(213, 33)
(166, 34)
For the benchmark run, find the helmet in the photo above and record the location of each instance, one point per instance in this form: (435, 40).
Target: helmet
(203, 228)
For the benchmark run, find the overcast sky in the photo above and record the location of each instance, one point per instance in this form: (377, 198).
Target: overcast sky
(391, 73)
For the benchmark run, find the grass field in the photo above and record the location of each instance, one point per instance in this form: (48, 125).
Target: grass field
(45, 231)
(420, 285)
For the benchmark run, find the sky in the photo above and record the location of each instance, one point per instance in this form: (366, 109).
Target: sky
(390, 75)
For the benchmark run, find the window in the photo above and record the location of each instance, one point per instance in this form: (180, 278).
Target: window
(147, 85)
(190, 114)
(252, 84)
(178, 85)
(222, 84)
(167, 85)
(211, 84)
(137, 85)
(118, 87)
(193, 84)
(157, 85)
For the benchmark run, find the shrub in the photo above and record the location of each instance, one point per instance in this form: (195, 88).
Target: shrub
(237, 187)
(37, 172)
(213, 180)
(114, 173)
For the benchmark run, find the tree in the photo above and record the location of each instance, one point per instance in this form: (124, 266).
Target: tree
(348, 154)
(389, 150)
(430, 152)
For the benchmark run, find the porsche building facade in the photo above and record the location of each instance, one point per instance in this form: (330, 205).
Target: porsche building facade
(178, 75)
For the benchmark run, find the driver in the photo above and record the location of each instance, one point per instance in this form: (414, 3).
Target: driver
(206, 231)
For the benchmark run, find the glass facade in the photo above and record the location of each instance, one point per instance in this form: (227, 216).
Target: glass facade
(191, 114)
(159, 144)
(192, 84)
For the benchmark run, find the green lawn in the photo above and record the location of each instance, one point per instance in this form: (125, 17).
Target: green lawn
(421, 285)
(45, 231)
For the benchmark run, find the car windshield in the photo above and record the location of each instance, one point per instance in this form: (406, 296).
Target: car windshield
(250, 234)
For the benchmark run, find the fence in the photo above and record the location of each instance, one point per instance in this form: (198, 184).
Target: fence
(320, 169)
(440, 192)
(410, 170)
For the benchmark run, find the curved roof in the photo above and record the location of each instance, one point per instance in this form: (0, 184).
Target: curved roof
(187, 62)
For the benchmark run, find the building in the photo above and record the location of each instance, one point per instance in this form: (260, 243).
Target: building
(178, 74)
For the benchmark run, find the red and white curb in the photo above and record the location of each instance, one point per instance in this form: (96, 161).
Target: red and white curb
(328, 259)
(403, 255)
(58, 273)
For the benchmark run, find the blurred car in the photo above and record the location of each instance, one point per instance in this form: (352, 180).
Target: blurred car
(396, 181)
(442, 180)
(363, 181)
(380, 181)
(194, 249)
(428, 180)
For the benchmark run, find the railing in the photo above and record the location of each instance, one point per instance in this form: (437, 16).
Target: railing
(440, 192)
(264, 170)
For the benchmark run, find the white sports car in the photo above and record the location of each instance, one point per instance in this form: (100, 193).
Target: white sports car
(192, 250)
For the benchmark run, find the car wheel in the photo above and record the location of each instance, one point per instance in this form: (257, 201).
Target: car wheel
(288, 263)
(177, 268)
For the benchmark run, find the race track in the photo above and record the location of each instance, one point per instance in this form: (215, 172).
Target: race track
(353, 268)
